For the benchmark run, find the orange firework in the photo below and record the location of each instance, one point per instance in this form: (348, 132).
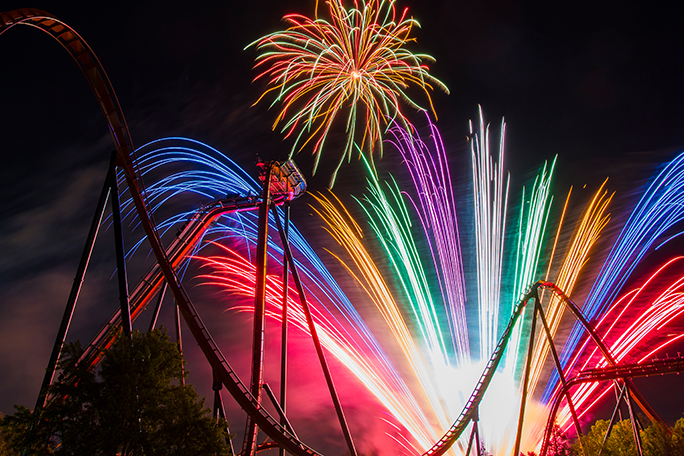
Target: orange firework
(354, 62)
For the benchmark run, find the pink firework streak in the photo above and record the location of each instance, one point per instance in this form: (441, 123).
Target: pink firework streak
(234, 273)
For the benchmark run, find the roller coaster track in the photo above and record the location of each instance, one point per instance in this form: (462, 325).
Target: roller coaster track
(470, 408)
(622, 372)
(469, 411)
(656, 367)
(185, 241)
(104, 93)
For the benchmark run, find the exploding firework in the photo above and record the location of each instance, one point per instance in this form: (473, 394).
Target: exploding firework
(356, 61)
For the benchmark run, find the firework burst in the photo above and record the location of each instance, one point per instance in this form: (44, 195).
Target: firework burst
(355, 62)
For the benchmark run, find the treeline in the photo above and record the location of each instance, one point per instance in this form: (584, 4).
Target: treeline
(655, 441)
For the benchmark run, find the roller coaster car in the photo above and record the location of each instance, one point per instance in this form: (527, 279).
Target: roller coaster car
(287, 181)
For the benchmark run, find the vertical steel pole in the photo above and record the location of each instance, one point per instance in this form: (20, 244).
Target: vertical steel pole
(75, 290)
(317, 343)
(476, 429)
(250, 441)
(478, 449)
(283, 335)
(218, 409)
(633, 419)
(559, 368)
(523, 400)
(120, 258)
(470, 439)
(618, 401)
(179, 340)
(157, 308)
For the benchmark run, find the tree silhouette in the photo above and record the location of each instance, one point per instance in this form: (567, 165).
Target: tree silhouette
(135, 404)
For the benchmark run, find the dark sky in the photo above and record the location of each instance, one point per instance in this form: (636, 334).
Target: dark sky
(597, 83)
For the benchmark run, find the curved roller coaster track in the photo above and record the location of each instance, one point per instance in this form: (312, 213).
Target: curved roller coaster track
(282, 183)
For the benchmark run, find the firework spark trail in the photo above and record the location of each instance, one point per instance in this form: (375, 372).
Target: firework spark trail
(317, 68)
(429, 171)
(212, 177)
(491, 202)
(352, 336)
(639, 323)
(589, 230)
(658, 210)
(391, 223)
(192, 167)
(348, 234)
(530, 238)
(233, 273)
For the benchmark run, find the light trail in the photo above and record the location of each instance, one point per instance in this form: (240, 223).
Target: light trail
(530, 238)
(587, 233)
(422, 408)
(429, 169)
(389, 219)
(234, 274)
(491, 204)
(347, 233)
(659, 209)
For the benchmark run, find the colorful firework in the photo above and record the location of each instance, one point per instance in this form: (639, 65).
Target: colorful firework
(355, 61)
(419, 402)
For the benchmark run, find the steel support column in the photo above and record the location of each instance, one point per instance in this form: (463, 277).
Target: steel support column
(75, 290)
(250, 441)
(218, 411)
(120, 256)
(616, 412)
(179, 339)
(157, 307)
(633, 419)
(559, 369)
(528, 361)
(283, 334)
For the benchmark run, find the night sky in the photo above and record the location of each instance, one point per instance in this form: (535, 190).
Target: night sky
(597, 84)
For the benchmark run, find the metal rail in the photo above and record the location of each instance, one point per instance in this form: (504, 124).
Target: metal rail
(185, 241)
(624, 372)
(469, 411)
(167, 259)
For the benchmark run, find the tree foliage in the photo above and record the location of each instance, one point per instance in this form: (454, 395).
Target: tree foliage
(135, 404)
(655, 441)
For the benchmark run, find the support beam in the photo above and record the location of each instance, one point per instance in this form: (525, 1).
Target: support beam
(250, 441)
(470, 439)
(179, 339)
(528, 362)
(559, 369)
(157, 307)
(75, 290)
(218, 411)
(283, 329)
(120, 257)
(614, 417)
(633, 419)
(279, 409)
